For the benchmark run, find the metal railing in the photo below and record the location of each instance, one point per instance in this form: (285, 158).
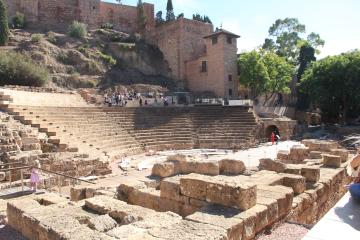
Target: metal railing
(25, 167)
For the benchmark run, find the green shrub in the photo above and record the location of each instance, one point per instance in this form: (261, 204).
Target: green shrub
(109, 60)
(36, 38)
(77, 30)
(107, 26)
(19, 69)
(51, 37)
(19, 20)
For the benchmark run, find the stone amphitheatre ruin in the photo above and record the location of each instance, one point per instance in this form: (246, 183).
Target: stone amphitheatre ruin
(183, 197)
(176, 172)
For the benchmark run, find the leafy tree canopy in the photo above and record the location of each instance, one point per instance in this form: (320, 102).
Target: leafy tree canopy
(333, 84)
(287, 36)
(265, 72)
(200, 18)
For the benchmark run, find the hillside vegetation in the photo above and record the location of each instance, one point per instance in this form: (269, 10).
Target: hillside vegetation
(104, 58)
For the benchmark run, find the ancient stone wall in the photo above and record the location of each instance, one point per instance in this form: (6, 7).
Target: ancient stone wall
(220, 73)
(185, 35)
(50, 14)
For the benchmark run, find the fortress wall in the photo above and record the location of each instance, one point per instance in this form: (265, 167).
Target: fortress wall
(28, 7)
(185, 35)
(50, 14)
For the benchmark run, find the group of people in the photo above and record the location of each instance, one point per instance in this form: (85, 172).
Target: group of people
(117, 99)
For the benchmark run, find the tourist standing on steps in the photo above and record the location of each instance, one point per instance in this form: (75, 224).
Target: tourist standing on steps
(140, 102)
(35, 178)
(354, 171)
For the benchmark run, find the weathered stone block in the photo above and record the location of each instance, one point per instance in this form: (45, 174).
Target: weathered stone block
(102, 223)
(210, 168)
(283, 195)
(189, 230)
(342, 153)
(77, 193)
(283, 155)
(293, 169)
(165, 169)
(272, 207)
(170, 188)
(315, 155)
(298, 153)
(331, 160)
(194, 186)
(221, 217)
(311, 173)
(231, 167)
(219, 190)
(296, 182)
(271, 165)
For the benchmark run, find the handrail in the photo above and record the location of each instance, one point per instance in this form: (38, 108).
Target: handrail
(9, 164)
(63, 175)
(45, 170)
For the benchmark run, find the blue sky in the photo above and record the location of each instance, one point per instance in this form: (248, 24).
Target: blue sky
(337, 21)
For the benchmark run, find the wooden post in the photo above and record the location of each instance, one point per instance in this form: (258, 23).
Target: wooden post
(10, 178)
(59, 184)
(22, 180)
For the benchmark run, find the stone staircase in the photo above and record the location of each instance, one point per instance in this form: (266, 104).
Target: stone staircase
(115, 132)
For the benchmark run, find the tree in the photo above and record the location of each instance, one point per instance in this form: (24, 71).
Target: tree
(280, 74)
(159, 19)
(181, 15)
(119, 1)
(4, 27)
(333, 84)
(200, 18)
(253, 73)
(286, 36)
(141, 16)
(307, 56)
(170, 16)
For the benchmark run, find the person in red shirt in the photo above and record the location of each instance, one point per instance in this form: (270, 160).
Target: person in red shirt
(272, 138)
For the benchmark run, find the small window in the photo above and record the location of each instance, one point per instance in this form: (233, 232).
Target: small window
(214, 40)
(230, 78)
(94, 7)
(204, 66)
(230, 92)
(229, 40)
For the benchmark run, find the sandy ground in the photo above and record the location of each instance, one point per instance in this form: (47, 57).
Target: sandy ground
(250, 157)
(286, 231)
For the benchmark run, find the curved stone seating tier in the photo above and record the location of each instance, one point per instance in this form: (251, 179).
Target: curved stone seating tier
(123, 131)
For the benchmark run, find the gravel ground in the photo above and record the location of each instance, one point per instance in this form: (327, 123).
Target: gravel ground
(286, 231)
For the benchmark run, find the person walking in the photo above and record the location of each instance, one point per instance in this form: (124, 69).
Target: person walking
(353, 170)
(34, 177)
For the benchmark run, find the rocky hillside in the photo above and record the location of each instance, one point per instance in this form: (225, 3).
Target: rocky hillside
(105, 59)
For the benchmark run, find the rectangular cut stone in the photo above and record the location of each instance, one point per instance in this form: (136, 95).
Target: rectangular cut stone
(332, 160)
(189, 230)
(165, 169)
(296, 182)
(219, 190)
(283, 195)
(221, 217)
(260, 212)
(299, 153)
(170, 188)
(293, 169)
(231, 167)
(194, 186)
(283, 156)
(273, 208)
(315, 155)
(210, 168)
(342, 153)
(311, 173)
